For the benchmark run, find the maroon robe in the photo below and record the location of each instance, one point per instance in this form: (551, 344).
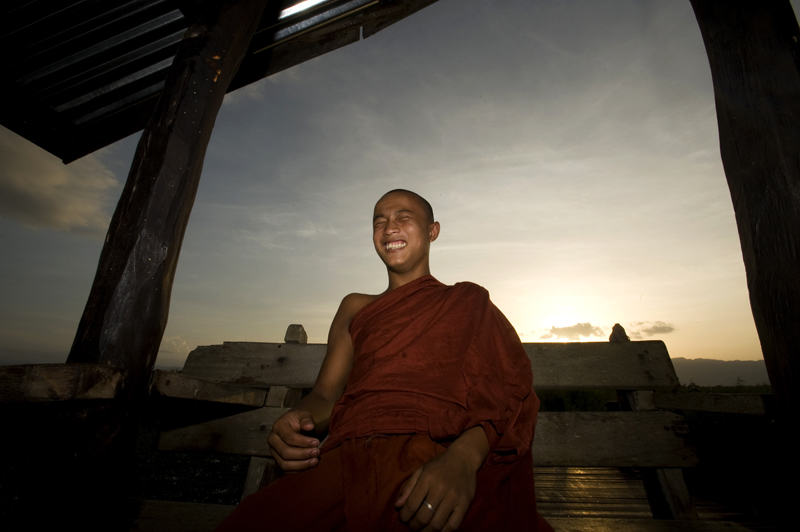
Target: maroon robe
(431, 361)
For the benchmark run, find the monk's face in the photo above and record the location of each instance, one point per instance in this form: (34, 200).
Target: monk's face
(402, 233)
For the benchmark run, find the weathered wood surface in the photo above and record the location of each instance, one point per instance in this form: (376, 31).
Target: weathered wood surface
(619, 439)
(263, 471)
(258, 468)
(666, 489)
(269, 56)
(590, 492)
(566, 524)
(127, 308)
(179, 386)
(257, 364)
(668, 494)
(244, 433)
(753, 49)
(619, 366)
(724, 403)
(169, 516)
(630, 365)
(58, 382)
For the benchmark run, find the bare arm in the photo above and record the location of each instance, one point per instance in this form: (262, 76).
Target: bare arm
(447, 483)
(295, 436)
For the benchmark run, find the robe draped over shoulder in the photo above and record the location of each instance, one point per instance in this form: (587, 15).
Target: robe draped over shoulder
(436, 359)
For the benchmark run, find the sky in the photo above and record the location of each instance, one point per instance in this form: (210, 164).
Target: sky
(569, 150)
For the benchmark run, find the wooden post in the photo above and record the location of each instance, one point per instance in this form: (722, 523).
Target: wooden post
(126, 313)
(754, 54)
(264, 471)
(666, 489)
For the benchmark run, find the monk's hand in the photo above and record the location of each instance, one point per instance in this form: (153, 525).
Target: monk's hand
(291, 449)
(438, 494)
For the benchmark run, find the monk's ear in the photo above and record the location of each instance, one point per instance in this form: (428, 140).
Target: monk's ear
(434, 231)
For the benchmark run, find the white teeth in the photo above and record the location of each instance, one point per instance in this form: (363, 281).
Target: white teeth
(394, 245)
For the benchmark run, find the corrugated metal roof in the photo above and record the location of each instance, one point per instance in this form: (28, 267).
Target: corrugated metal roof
(82, 74)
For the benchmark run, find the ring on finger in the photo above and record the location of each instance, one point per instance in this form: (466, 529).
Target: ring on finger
(429, 506)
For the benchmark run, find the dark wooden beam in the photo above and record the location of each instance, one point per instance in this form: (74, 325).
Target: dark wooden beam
(58, 382)
(754, 54)
(127, 308)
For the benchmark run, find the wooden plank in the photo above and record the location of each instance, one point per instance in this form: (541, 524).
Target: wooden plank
(268, 61)
(753, 49)
(618, 439)
(283, 396)
(620, 366)
(127, 308)
(595, 494)
(267, 58)
(564, 524)
(179, 386)
(388, 13)
(244, 433)
(169, 516)
(668, 495)
(255, 474)
(666, 489)
(629, 365)
(126, 312)
(725, 403)
(621, 439)
(631, 511)
(58, 382)
(257, 364)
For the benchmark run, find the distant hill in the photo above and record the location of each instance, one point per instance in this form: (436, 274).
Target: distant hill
(708, 372)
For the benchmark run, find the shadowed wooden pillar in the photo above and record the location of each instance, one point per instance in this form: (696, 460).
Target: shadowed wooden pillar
(754, 54)
(126, 313)
(127, 309)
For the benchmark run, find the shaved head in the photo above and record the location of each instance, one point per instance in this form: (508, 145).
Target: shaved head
(426, 207)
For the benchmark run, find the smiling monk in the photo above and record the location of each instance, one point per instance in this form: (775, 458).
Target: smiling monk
(425, 395)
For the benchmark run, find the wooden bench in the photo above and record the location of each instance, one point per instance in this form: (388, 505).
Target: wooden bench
(269, 378)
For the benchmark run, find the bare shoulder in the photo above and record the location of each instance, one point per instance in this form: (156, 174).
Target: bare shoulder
(352, 303)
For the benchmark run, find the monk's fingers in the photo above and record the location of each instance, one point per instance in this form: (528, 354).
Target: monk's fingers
(430, 506)
(442, 515)
(405, 491)
(293, 466)
(292, 438)
(281, 450)
(454, 521)
(288, 464)
(417, 492)
(306, 422)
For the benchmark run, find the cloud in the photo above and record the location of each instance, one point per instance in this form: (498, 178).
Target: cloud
(650, 328)
(573, 333)
(38, 191)
(174, 345)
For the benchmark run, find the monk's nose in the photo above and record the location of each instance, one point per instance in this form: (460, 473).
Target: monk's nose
(391, 227)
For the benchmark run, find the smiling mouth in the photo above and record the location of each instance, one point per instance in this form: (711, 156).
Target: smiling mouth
(391, 246)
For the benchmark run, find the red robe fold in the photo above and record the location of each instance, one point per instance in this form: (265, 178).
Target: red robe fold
(431, 361)
(436, 359)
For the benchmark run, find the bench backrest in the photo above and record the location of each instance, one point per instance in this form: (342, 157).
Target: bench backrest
(241, 372)
(587, 365)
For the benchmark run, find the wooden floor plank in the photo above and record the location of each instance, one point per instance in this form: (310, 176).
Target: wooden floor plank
(169, 516)
(640, 525)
